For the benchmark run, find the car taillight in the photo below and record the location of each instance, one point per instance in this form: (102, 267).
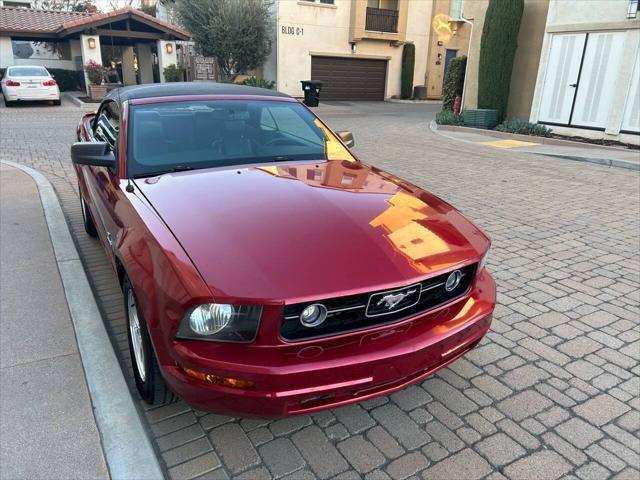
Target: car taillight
(11, 83)
(49, 83)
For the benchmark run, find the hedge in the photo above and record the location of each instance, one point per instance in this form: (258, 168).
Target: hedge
(406, 77)
(67, 80)
(453, 82)
(497, 51)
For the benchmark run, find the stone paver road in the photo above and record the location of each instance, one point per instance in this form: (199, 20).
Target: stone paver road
(551, 392)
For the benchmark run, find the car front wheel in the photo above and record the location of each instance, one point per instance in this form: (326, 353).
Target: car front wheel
(149, 382)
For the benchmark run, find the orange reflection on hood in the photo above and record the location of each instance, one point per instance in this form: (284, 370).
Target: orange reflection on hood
(405, 232)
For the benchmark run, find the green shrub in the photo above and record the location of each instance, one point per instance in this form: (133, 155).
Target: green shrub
(2, 70)
(406, 77)
(68, 80)
(447, 117)
(453, 82)
(172, 74)
(259, 82)
(524, 128)
(497, 51)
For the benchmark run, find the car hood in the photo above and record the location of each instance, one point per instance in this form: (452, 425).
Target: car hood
(297, 232)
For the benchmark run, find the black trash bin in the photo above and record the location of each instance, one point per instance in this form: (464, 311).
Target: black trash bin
(311, 89)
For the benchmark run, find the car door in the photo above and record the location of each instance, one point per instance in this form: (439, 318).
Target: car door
(102, 182)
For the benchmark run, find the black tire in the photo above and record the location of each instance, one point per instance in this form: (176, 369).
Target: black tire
(87, 219)
(7, 103)
(151, 386)
(57, 102)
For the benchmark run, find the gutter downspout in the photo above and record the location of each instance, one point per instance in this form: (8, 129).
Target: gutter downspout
(469, 21)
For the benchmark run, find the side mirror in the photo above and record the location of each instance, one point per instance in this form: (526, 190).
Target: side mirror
(347, 138)
(97, 154)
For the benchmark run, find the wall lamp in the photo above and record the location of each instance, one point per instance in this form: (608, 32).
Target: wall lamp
(169, 47)
(92, 42)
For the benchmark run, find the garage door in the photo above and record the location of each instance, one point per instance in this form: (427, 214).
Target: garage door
(350, 78)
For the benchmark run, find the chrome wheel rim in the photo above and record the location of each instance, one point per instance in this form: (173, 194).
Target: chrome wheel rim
(136, 335)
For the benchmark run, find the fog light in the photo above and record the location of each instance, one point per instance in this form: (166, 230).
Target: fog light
(313, 315)
(216, 380)
(453, 280)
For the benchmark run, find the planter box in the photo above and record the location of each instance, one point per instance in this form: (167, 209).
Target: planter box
(480, 118)
(97, 92)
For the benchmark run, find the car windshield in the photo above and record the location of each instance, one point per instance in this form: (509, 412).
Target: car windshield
(176, 136)
(28, 72)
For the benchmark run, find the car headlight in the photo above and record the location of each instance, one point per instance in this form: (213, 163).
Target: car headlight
(483, 261)
(221, 322)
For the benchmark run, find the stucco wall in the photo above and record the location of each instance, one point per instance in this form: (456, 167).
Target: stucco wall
(587, 11)
(6, 52)
(584, 16)
(304, 28)
(527, 59)
(453, 36)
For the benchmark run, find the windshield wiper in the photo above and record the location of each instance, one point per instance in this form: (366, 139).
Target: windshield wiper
(282, 159)
(177, 168)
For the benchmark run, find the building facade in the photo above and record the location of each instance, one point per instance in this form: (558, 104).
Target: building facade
(588, 83)
(456, 30)
(129, 41)
(353, 46)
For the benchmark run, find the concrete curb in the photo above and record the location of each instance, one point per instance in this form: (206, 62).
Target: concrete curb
(127, 448)
(74, 99)
(433, 126)
(418, 102)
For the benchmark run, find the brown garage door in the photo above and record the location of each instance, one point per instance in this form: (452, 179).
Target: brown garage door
(349, 78)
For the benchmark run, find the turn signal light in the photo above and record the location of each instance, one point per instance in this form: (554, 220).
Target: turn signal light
(216, 380)
(49, 83)
(11, 83)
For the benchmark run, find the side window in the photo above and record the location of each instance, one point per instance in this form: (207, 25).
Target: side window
(108, 124)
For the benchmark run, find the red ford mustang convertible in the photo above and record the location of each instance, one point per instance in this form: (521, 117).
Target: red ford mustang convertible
(266, 271)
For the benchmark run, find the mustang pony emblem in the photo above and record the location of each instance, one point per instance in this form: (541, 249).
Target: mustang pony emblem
(392, 299)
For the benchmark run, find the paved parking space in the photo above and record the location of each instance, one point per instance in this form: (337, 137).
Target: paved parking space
(551, 392)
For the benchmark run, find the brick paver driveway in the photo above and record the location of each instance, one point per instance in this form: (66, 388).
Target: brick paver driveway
(551, 392)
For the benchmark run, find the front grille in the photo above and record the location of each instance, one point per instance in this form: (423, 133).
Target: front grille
(357, 312)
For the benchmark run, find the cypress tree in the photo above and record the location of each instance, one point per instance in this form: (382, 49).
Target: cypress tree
(497, 51)
(453, 82)
(406, 76)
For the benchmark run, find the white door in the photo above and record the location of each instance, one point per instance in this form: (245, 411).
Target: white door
(561, 78)
(596, 88)
(631, 118)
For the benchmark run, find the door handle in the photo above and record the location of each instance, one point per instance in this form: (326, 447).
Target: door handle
(574, 85)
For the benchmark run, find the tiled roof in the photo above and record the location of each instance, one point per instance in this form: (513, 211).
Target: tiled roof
(16, 19)
(76, 22)
(26, 20)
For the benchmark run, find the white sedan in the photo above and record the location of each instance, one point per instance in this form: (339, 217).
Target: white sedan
(29, 83)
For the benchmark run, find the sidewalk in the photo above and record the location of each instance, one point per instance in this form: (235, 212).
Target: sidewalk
(585, 152)
(47, 426)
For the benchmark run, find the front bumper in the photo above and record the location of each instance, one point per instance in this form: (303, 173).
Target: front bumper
(302, 378)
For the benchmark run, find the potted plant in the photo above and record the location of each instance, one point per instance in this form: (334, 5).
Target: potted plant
(95, 73)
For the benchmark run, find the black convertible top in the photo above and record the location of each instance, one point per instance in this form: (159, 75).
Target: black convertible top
(186, 88)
